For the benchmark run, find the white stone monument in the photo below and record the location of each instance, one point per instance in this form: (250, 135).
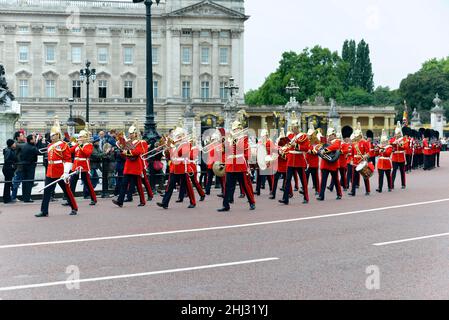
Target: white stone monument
(334, 115)
(437, 116)
(415, 123)
(9, 111)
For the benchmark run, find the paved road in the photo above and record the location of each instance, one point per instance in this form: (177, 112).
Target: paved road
(330, 250)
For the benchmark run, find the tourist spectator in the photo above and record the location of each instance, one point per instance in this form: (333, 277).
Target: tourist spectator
(20, 140)
(28, 160)
(9, 166)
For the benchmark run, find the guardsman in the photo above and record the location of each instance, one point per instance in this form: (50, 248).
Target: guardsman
(214, 153)
(179, 148)
(312, 158)
(400, 145)
(372, 152)
(133, 166)
(237, 167)
(384, 164)
(281, 168)
(342, 162)
(296, 152)
(267, 173)
(83, 150)
(334, 144)
(360, 153)
(192, 172)
(145, 179)
(59, 166)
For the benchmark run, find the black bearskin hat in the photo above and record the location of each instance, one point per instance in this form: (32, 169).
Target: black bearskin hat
(427, 133)
(346, 132)
(370, 134)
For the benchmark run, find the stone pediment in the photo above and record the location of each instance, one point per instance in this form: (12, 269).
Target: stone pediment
(207, 8)
(23, 74)
(103, 74)
(128, 74)
(50, 74)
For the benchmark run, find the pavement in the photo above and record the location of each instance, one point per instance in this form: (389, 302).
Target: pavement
(384, 246)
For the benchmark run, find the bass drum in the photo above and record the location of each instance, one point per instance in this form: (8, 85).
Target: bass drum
(366, 169)
(261, 156)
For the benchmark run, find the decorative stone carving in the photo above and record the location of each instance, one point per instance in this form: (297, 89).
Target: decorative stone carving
(9, 109)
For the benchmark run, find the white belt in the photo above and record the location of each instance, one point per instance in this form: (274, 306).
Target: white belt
(236, 156)
(81, 159)
(399, 152)
(384, 158)
(55, 162)
(296, 152)
(179, 159)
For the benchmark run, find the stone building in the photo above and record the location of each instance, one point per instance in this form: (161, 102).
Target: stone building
(197, 47)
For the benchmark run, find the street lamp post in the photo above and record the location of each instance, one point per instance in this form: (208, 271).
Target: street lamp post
(70, 122)
(150, 125)
(85, 75)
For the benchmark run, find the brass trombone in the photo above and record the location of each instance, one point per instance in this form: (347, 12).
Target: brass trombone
(43, 150)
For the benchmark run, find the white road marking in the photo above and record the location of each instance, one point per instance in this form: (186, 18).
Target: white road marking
(411, 239)
(134, 275)
(35, 244)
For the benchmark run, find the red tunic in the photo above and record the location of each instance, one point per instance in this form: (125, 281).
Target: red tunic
(58, 154)
(312, 159)
(359, 149)
(335, 145)
(237, 156)
(399, 151)
(371, 152)
(345, 150)
(193, 156)
(133, 163)
(180, 156)
(82, 156)
(384, 161)
(296, 155)
(216, 154)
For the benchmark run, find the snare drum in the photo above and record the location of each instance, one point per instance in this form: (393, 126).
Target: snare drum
(365, 169)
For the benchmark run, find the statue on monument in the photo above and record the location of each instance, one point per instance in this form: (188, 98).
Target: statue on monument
(5, 93)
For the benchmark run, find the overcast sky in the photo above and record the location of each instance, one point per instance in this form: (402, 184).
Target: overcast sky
(402, 34)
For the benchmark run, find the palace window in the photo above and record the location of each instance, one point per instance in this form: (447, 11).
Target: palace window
(50, 29)
(24, 29)
(205, 55)
(223, 91)
(50, 88)
(128, 53)
(155, 89)
(186, 90)
(50, 53)
(128, 89)
(23, 88)
(205, 89)
(76, 89)
(23, 53)
(102, 89)
(186, 55)
(155, 53)
(224, 54)
(76, 54)
(102, 55)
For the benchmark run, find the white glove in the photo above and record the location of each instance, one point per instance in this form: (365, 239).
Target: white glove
(67, 167)
(65, 176)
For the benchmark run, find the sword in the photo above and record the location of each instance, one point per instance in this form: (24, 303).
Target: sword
(56, 181)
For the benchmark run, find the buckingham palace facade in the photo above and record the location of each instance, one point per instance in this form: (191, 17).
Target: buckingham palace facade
(197, 47)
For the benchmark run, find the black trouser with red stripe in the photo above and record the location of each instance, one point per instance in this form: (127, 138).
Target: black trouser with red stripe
(302, 175)
(324, 175)
(85, 177)
(387, 173)
(348, 175)
(49, 191)
(245, 183)
(183, 182)
(195, 183)
(210, 176)
(342, 179)
(260, 180)
(276, 180)
(131, 181)
(401, 167)
(356, 181)
(315, 178)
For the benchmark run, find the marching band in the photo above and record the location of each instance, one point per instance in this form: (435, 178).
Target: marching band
(345, 154)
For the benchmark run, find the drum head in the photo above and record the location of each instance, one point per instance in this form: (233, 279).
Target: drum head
(261, 155)
(361, 166)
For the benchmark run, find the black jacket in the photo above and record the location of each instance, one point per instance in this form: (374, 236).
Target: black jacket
(10, 159)
(28, 155)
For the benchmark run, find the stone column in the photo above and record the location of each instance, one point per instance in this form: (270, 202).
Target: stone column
(371, 123)
(237, 60)
(196, 65)
(176, 60)
(264, 122)
(215, 62)
(392, 125)
(386, 125)
(354, 121)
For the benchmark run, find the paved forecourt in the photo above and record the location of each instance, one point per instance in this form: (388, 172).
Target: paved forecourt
(389, 245)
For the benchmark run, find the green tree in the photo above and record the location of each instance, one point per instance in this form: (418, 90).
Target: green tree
(363, 72)
(356, 96)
